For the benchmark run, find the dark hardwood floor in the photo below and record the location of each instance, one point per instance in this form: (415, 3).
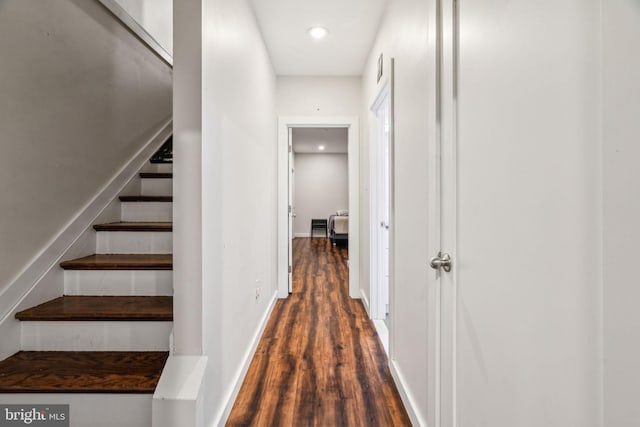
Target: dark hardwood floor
(319, 361)
(81, 372)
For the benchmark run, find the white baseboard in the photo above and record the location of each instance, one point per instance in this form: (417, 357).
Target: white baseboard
(242, 372)
(407, 398)
(302, 235)
(365, 302)
(24, 289)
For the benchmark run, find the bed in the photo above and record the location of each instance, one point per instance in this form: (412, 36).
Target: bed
(339, 229)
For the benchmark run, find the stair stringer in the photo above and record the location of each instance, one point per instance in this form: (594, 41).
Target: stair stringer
(42, 279)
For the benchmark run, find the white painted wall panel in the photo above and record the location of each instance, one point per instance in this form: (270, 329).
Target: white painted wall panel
(226, 133)
(621, 173)
(318, 96)
(321, 188)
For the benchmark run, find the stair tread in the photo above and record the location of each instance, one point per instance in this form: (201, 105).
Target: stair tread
(82, 372)
(156, 175)
(120, 262)
(134, 226)
(106, 308)
(146, 198)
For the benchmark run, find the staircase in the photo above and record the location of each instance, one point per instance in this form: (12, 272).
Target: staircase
(101, 346)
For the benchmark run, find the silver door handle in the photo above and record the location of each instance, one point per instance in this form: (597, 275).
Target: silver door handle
(441, 261)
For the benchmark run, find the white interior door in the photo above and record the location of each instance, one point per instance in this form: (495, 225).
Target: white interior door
(291, 171)
(518, 143)
(380, 205)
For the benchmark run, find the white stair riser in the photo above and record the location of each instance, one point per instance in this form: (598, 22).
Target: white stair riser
(96, 335)
(118, 282)
(134, 242)
(147, 211)
(158, 167)
(93, 409)
(157, 186)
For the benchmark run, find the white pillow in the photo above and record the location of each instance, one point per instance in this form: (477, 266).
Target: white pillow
(343, 212)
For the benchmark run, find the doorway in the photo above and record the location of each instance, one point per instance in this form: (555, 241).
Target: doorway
(286, 210)
(380, 210)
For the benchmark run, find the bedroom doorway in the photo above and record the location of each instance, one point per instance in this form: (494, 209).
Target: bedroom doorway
(293, 220)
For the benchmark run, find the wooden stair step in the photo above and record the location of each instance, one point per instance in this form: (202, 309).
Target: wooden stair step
(156, 175)
(121, 262)
(101, 308)
(146, 198)
(134, 226)
(82, 372)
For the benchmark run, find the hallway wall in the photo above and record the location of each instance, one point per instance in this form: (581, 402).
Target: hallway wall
(621, 173)
(318, 96)
(403, 36)
(239, 229)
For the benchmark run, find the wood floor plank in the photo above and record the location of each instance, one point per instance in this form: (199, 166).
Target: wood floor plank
(81, 372)
(146, 198)
(319, 361)
(156, 175)
(120, 262)
(103, 308)
(134, 226)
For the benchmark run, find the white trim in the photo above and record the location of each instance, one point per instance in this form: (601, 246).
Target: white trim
(50, 256)
(383, 333)
(375, 153)
(352, 124)
(365, 302)
(119, 12)
(407, 397)
(230, 399)
(179, 392)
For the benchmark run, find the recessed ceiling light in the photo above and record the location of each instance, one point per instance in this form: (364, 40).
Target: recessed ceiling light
(321, 147)
(318, 32)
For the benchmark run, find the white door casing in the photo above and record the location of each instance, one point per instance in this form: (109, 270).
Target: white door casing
(290, 208)
(380, 177)
(351, 124)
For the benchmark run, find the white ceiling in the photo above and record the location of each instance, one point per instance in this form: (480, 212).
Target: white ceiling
(352, 26)
(307, 140)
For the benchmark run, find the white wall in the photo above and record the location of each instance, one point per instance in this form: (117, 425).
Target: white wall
(403, 36)
(318, 96)
(321, 188)
(621, 20)
(232, 166)
(80, 96)
(155, 16)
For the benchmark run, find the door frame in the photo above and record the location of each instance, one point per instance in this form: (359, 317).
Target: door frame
(375, 308)
(353, 136)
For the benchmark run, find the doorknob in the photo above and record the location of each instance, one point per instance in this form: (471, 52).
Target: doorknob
(441, 261)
